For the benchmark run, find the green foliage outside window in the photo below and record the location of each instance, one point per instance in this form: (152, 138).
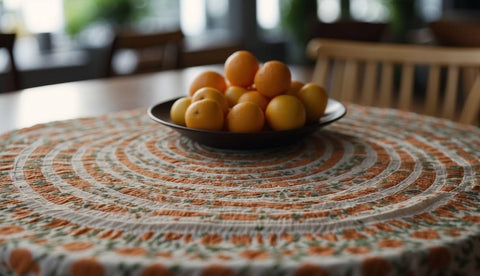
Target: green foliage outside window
(79, 14)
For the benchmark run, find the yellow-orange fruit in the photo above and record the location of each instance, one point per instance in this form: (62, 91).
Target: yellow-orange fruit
(295, 86)
(233, 93)
(254, 97)
(213, 94)
(285, 112)
(273, 79)
(205, 114)
(208, 79)
(177, 111)
(240, 68)
(245, 117)
(314, 99)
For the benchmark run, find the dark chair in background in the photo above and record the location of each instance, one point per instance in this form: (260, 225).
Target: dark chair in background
(206, 53)
(458, 33)
(349, 30)
(7, 41)
(154, 51)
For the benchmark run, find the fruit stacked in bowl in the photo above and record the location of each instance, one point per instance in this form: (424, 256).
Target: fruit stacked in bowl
(249, 98)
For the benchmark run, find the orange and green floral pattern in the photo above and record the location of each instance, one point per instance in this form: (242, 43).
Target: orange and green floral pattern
(379, 192)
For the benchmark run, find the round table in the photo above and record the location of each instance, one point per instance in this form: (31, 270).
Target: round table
(379, 192)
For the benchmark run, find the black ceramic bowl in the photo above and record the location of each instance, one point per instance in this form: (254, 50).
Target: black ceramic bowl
(230, 140)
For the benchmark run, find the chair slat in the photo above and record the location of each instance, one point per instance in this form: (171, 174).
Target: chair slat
(468, 78)
(406, 87)
(337, 79)
(320, 72)
(470, 112)
(370, 78)
(450, 92)
(350, 80)
(433, 85)
(386, 85)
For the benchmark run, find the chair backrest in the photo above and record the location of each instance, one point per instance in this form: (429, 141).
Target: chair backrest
(155, 51)
(7, 41)
(367, 73)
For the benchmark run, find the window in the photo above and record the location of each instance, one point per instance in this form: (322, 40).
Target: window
(369, 10)
(328, 10)
(430, 9)
(268, 14)
(34, 16)
(192, 16)
(198, 16)
(162, 14)
(216, 14)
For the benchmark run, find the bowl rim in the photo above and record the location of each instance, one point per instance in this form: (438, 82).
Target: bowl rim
(337, 114)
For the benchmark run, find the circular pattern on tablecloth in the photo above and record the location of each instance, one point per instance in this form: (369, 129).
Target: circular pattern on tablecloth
(379, 191)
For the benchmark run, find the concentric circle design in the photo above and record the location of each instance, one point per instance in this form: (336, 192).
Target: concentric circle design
(380, 189)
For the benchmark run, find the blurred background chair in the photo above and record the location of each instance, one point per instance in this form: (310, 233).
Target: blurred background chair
(369, 73)
(349, 30)
(461, 33)
(153, 52)
(7, 41)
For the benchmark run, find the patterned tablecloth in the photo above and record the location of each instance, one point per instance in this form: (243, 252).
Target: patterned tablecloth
(379, 192)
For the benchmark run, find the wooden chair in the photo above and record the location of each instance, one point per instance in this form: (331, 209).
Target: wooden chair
(368, 72)
(459, 32)
(7, 41)
(155, 51)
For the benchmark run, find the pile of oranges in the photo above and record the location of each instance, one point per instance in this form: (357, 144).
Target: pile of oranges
(250, 98)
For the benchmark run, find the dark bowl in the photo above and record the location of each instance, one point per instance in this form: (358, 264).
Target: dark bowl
(230, 140)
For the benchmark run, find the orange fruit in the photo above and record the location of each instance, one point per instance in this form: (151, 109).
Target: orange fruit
(314, 99)
(204, 114)
(245, 117)
(295, 86)
(208, 79)
(254, 97)
(240, 68)
(213, 94)
(285, 112)
(273, 79)
(177, 111)
(233, 93)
